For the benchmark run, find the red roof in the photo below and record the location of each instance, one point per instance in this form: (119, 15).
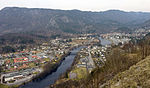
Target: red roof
(34, 56)
(20, 59)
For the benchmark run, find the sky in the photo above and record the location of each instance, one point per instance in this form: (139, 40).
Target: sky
(84, 5)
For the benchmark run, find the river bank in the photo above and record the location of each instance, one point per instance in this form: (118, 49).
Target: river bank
(65, 75)
(79, 69)
(47, 69)
(103, 42)
(54, 74)
(50, 68)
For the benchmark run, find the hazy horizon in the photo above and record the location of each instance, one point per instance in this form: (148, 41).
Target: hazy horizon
(84, 5)
(74, 9)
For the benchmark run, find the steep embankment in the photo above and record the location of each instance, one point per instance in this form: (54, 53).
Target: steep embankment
(138, 76)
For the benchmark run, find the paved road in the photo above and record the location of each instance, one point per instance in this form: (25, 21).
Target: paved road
(91, 62)
(19, 82)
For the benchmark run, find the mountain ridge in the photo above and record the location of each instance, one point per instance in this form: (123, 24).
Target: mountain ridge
(16, 19)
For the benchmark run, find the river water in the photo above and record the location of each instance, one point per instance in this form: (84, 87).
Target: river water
(51, 78)
(104, 41)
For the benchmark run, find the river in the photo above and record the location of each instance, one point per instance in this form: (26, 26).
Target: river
(104, 41)
(51, 78)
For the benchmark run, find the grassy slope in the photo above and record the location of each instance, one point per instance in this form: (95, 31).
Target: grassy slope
(3, 86)
(138, 76)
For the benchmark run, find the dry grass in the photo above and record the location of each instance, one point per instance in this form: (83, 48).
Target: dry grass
(137, 76)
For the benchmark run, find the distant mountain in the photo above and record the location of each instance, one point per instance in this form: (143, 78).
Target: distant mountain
(47, 21)
(146, 24)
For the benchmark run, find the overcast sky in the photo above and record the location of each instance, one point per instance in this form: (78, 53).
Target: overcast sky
(85, 5)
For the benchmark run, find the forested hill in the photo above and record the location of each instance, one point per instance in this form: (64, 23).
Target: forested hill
(146, 24)
(14, 20)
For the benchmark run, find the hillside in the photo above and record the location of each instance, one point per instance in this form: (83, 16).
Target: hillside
(138, 76)
(126, 66)
(146, 24)
(14, 20)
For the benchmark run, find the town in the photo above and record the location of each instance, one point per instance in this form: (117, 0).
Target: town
(22, 66)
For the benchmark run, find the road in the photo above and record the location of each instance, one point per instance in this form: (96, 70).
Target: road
(90, 63)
